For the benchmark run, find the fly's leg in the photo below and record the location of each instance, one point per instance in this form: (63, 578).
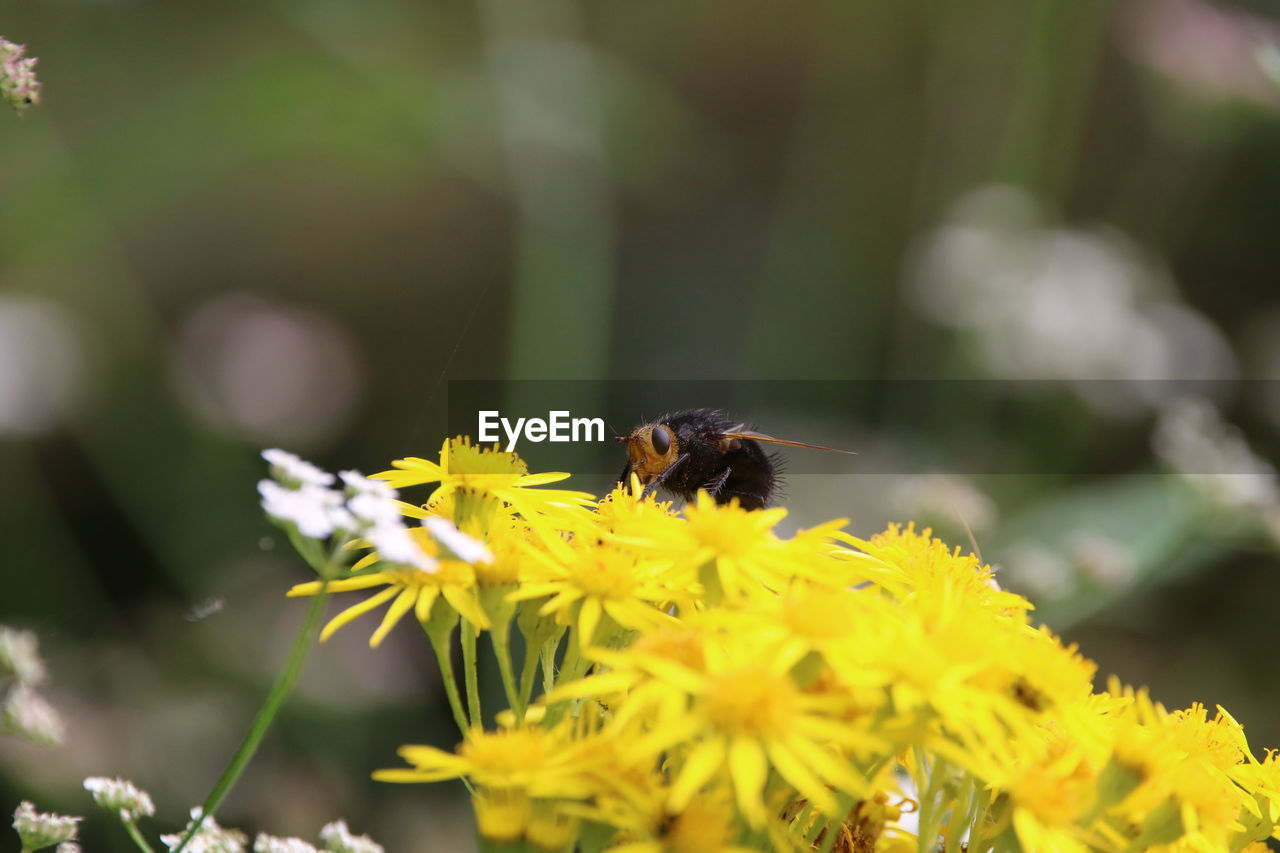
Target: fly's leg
(714, 487)
(658, 480)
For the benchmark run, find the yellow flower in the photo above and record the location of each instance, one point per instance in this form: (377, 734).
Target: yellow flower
(806, 618)
(628, 520)
(540, 762)
(734, 553)
(932, 578)
(407, 590)
(734, 721)
(1187, 765)
(1049, 794)
(586, 581)
(473, 478)
(706, 825)
(753, 690)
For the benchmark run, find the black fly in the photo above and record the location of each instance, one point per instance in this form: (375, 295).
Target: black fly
(703, 449)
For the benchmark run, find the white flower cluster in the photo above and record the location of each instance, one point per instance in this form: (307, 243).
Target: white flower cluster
(271, 844)
(335, 837)
(1084, 557)
(212, 838)
(18, 83)
(37, 830)
(1041, 302)
(130, 802)
(338, 839)
(300, 494)
(1213, 456)
(25, 712)
(28, 715)
(209, 838)
(20, 657)
(121, 796)
(946, 498)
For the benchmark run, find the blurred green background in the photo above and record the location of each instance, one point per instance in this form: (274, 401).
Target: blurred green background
(237, 226)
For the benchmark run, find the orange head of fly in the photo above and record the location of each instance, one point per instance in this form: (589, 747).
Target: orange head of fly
(651, 449)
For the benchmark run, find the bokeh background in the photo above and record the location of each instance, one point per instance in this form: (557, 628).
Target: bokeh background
(1044, 231)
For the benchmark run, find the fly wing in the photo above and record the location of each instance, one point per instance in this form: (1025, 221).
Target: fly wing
(759, 436)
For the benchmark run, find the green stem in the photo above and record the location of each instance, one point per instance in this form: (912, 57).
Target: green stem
(138, 839)
(549, 667)
(571, 669)
(926, 839)
(500, 636)
(957, 825)
(572, 658)
(443, 648)
(469, 672)
(275, 699)
(528, 672)
(976, 842)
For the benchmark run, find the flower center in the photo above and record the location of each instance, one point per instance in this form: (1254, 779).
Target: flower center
(603, 579)
(507, 751)
(751, 701)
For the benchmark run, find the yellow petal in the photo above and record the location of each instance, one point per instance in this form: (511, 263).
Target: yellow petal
(426, 597)
(356, 610)
(588, 621)
(801, 778)
(702, 763)
(593, 685)
(412, 471)
(833, 768)
(346, 585)
(748, 768)
(672, 733)
(541, 479)
(466, 605)
(406, 775)
(398, 608)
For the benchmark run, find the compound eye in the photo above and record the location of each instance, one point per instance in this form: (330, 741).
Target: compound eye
(661, 440)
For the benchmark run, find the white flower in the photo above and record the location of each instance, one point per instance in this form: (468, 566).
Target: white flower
(466, 548)
(374, 509)
(37, 830)
(1038, 571)
(316, 511)
(1102, 559)
(1212, 455)
(19, 655)
(395, 545)
(270, 844)
(18, 83)
(338, 839)
(361, 485)
(120, 796)
(28, 715)
(371, 501)
(68, 847)
(296, 469)
(943, 497)
(210, 838)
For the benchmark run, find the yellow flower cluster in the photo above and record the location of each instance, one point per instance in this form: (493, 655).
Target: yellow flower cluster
(709, 685)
